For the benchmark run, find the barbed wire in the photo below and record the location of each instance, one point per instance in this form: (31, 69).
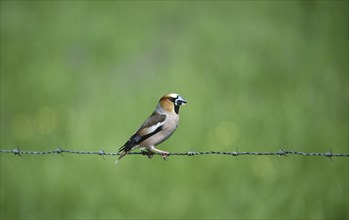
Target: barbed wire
(281, 152)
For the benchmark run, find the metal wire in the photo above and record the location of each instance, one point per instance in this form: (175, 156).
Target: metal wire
(281, 152)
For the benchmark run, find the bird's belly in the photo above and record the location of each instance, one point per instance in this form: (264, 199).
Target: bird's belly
(157, 138)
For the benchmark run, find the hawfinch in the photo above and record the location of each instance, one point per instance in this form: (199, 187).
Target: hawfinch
(157, 128)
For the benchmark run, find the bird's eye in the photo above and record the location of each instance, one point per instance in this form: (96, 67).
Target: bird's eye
(172, 99)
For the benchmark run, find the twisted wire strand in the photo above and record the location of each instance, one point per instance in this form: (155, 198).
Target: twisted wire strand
(281, 152)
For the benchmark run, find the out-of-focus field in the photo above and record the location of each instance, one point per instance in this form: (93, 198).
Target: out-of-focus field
(257, 75)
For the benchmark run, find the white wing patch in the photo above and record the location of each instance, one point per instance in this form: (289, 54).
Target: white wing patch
(153, 128)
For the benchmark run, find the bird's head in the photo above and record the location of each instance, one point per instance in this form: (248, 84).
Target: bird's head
(171, 102)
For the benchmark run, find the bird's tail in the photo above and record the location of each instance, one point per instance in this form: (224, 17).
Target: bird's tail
(128, 146)
(122, 152)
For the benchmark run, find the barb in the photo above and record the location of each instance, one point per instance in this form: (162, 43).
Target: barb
(281, 152)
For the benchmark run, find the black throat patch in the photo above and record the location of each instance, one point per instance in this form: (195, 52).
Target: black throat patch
(176, 108)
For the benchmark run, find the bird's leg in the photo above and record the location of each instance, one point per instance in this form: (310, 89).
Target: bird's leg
(164, 154)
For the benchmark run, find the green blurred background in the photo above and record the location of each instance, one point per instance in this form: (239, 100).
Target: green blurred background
(257, 75)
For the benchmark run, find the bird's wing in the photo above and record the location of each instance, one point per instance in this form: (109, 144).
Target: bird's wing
(155, 121)
(150, 127)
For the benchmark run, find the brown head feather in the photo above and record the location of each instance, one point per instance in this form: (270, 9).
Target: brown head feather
(166, 104)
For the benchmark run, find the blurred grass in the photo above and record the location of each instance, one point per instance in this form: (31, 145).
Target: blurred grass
(258, 75)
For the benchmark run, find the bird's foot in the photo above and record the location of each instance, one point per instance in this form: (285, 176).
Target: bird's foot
(148, 153)
(165, 155)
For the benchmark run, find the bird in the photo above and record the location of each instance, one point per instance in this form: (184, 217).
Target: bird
(157, 128)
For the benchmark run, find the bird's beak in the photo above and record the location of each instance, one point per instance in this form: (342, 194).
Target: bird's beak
(181, 101)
